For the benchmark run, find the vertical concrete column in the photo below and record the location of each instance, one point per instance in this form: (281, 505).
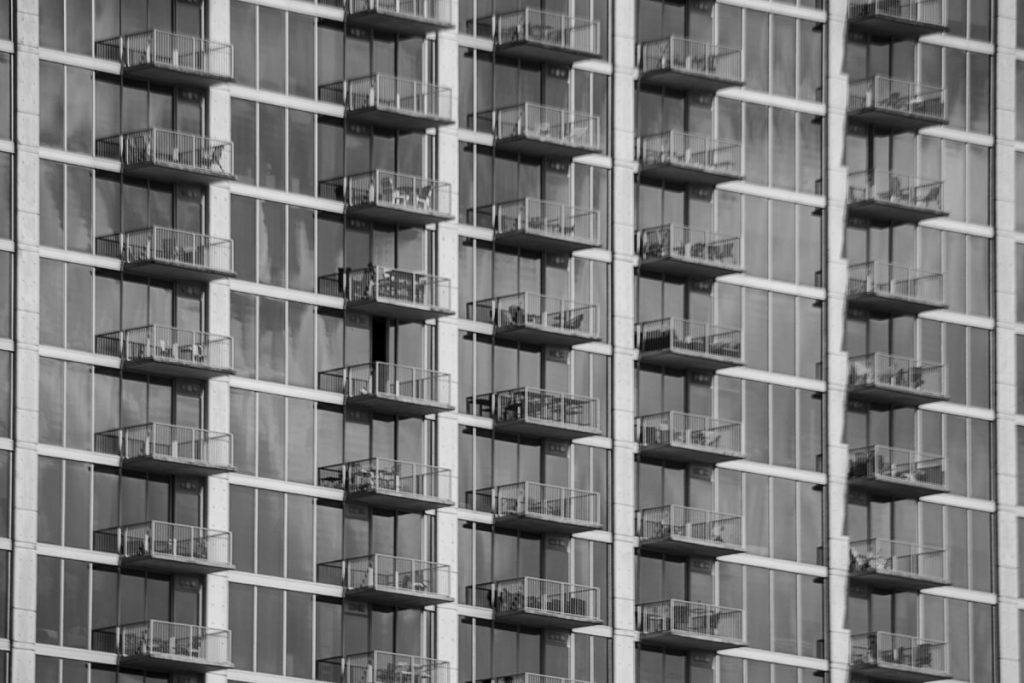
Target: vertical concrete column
(26, 341)
(1004, 364)
(835, 357)
(623, 318)
(447, 550)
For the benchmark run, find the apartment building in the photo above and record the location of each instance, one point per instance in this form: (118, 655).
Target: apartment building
(518, 341)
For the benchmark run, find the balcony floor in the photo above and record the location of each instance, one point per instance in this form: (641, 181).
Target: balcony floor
(174, 370)
(893, 120)
(402, 214)
(154, 661)
(397, 120)
(899, 489)
(403, 598)
(539, 52)
(168, 75)
(686, 640)
(399, 502)
(675, 267)
(881, 26)
(395, 23)
(894, 581)
(163, 270)
(893, 396)
(175, 173)
(390, 404)
(532, 241)
(891, 212)
(171, 564)
(688, 454)
(397, 310)
(888, 303)
(677, 79)
(543, 429)
(686, 175)
(538, 335)
(675, 359)
(901, 673)
(682, 546)
(538, 618)
(538, 146)
(543, 524)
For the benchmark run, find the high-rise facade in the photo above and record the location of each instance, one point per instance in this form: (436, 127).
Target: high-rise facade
(521, 341)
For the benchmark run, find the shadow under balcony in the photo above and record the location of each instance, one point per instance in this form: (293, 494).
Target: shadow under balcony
(411, 17)
(684, 158)
(170, 58)
(535, 35)
(168, 548)
(542, 131)
(390, 102)
(544, 508)
(382, 667)
(892, 566)
(678, 251)
(169, 156)
(541, 320)
(887, 288)
(545, 226)
(169, 351)
(896, 105)
(684, 64)
(391, 293)
(390, 484)
(390, 389)
(543, 414)
(896, 472)
(401, 582)
(689, 532)
(543, 603)
(894, 380)
(887, 656)
(685, 438)
(685, 625)
(166, 646)
(168, 449)
(897, 19)
(389, 197)
(170, 254)
(893, 198)
(681, 344)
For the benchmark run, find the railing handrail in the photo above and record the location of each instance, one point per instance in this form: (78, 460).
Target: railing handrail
(910, 362)
(918, 9)
(378, 78)
(146, 623)
(157, 229)
(673, 602)
(572, 115)
(374, 365)
(416, 274)
(911, 273)
(899, 636)
(529, 201)
(880, 78)
(679, 414)
(380, 173)
(913, 457)
(675, 507)
(711, 329)
(209, 336)
(167, 131)
(207, 433)
(675, 136)
(548, 392)
(870, 175)
(162, 32)
(686, 54)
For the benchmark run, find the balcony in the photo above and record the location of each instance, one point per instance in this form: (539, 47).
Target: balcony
(401, 582)
(882, 287)
(543, 603)
(892, 566)
(683, 159)
(543, 414)
(680, 344)
(392, 293)
(893, 198)
(894, 380)
(168, 449)
(678, 251)
(896, 473)
(897, 19)
(414, 17)
(170, 254)
(403, 104)
(683, 64)
(168, 548)
(389, 197)
(896, 657)
(166, 646)
(391, 484)
(169, 156)
(382, 667)
(391, 389)
(532, 678)
(683, 625)
(537, 130)
(896, 105)
(544, 508)
(170, 58)
(540, 225)
(539, 36)
(169, 351)
(685, 438)
(685, 531)
(540, 320)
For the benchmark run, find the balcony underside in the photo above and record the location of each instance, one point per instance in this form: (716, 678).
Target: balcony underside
(687, 454)
(678, 359)
(685, 640)
(881, 26)
(537, 618)
(542, 336)
(543, 524)
(401, 214)
(674, 267)
(886, 671)
(175, 370)
(910, 121)
(399, 502)
(395, 23)
(170, 172)
(891, 212)
(893, 396)
(169, 75)
(892, 581)
(398, 120)
(889, 303)
(686, 175)
(390, 404)
(682, 546)
(397, 310)
(155, 661)
(532, 241)
(896, 488)
(171, 564)
(165, 270)
(687, 80)
(537, 146)
(543, 429)
(397, 597)
(539, 52)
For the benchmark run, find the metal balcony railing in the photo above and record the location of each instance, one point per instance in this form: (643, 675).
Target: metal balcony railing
(881, 279)
(547, 221)
(533, 678)
(910, 11)
(188, 445)
(180, 248)
(681, 243)
(894, 188)
(905, 98)
(432, 12)
(691, 56)
(393, 190)
(556, 598)
(559, 127)
(897, 465)
(392, 667)
(694, 524)
(688, 430)
(404, 95)
(534, 499)
(165, 640)
(168, 149)
(388, 572)
(885, 556)
(886, 371)
(883, 650)
(181, 542)
(527, 309)
(527, 403)
(164, 344)
(695, 619)
(690, 337)
(548, 29)
(172, 51)
(679, 149)
(388, 380)
(380, 475)
(398, 286)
